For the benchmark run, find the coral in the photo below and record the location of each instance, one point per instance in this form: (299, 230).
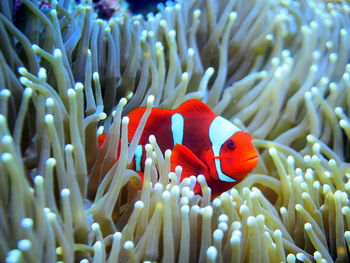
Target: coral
(276, 68)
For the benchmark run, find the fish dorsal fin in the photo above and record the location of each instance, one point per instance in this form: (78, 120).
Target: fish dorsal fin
(193, 106)
(191, 164)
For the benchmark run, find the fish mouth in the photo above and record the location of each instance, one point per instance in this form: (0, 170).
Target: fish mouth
(251, 161)
(253, 158)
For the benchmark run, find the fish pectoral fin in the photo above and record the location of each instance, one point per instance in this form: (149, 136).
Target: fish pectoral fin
(190, 163)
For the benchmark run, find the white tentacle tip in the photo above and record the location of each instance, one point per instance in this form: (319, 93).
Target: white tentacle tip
(117, 236)
(71, 92)
(57, 53)
(125, 120)
(139, 204)
(129, 245)
(212, 253)
(122, 102)
(95, 227)
(35, 48)
(24, 244)
(150, 100)
(65, 192)
(210, 71)
(49, 118)
(79, 86)
(152, 139)
(273, 151)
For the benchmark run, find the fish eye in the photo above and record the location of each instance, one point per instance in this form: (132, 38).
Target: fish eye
(231, 144)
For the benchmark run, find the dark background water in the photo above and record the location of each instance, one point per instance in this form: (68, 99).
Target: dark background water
(144, 6)
(104, 8)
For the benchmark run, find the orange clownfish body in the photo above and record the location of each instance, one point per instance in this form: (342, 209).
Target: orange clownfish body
(201, 142)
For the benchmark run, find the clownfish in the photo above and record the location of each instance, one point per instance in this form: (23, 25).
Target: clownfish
(201, 142)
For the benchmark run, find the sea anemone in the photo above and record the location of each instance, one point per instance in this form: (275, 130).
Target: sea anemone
(276, 68)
